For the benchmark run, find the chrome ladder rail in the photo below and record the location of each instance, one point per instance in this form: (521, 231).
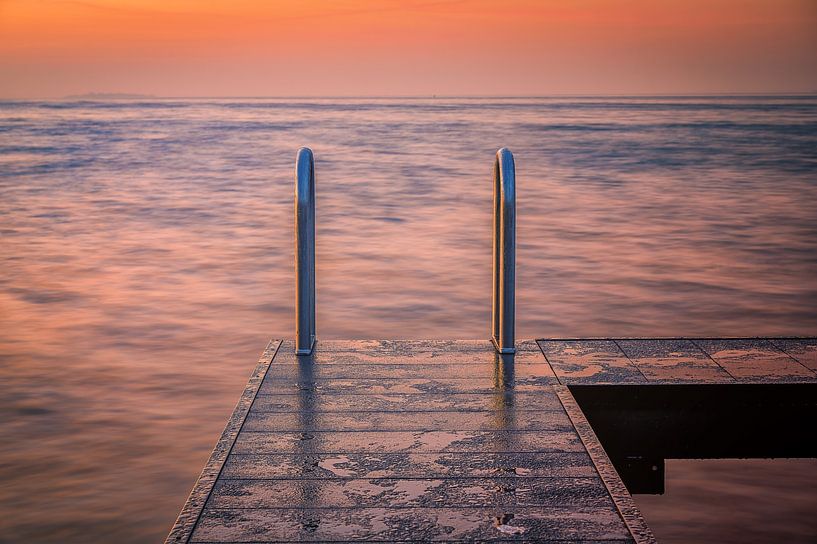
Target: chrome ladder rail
(504, 244)
(504, 253)
(304, 252)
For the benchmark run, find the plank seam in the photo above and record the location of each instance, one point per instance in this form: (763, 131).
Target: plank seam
(565, 506)
(697, 345)
(790, 356)
(410, 366)
(499, 539)
(625, 505)
(403, 453)
(424, 452)
(193, 508)
(542, 350)
(379, 478)
(417, 394)
(328, 379)
(529, 410)
(560, 429)
(632, 363)
(356, 452)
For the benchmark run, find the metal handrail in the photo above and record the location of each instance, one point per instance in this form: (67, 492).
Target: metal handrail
(504, 253)
(504, 265)
(304, 252)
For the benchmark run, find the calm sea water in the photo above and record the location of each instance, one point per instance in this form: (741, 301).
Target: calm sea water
(146, 257)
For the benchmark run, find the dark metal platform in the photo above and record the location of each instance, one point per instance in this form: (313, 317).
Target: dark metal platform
(447, 440)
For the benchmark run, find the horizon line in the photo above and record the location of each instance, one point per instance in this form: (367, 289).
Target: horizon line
(147, 96)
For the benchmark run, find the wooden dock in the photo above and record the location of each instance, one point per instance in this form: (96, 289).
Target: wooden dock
(446, 440)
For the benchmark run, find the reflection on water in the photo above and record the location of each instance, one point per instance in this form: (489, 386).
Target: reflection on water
(713, 463)
(767, 500)
(146, 257)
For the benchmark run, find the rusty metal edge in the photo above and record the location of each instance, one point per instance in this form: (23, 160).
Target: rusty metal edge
(625, 505)
(194, 506)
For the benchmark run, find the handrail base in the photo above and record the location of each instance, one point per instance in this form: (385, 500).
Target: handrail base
(500, 349)
(304, 351)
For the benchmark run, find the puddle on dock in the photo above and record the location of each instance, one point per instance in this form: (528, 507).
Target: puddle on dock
(335, 466)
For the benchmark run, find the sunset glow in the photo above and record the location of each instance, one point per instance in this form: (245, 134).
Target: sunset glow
(53, 48)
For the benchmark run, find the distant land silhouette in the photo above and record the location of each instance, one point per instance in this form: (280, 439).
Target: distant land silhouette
(107, 96)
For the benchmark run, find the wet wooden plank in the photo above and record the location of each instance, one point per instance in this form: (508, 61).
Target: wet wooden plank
(429, 402)
(804, 350)
(590, 362)
(374, 357)
(755, 360)
(407, 465)
(409, 493)
(443, 440)
(406, 441)
(673, 361)
(415, 524)
(402, 371)
(410, 347)
(499, 420)
(408, 386)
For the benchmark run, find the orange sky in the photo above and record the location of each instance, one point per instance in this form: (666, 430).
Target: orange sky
(52, 48)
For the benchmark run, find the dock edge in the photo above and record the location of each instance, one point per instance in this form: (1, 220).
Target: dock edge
(625, 505)
(194, 506)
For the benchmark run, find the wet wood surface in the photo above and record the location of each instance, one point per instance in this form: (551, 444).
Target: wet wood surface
(393, 441)
(643, 361)
(405, 441)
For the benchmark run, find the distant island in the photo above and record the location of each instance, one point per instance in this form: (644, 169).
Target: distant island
(108, 96)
